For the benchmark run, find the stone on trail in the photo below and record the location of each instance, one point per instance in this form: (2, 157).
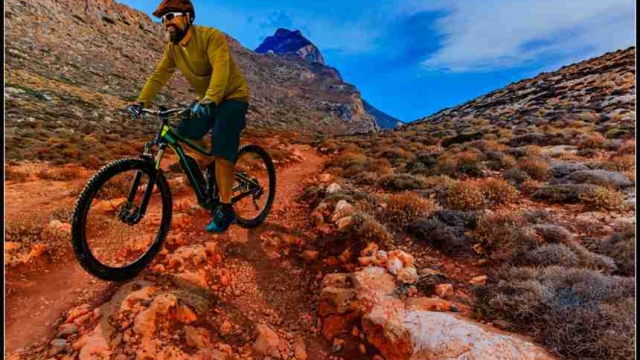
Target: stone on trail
(407, 259)
(345, 223)
(267, 343)
(408, 275)
(479, 280)
(333, 188)
(309, 255)
(444, 290)
(394, 265)
(375, 280)
(196, 337)
(184, 314)
(96, 346)
(342, 209)
(67, 329)
(300, 350)
(197, 253)
(145, 322)
(211, 354)
(427, 304)
(192, 281)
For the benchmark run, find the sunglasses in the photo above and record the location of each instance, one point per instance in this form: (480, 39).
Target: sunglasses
(170, 16)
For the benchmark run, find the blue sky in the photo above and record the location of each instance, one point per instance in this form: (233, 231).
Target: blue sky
(411, 58)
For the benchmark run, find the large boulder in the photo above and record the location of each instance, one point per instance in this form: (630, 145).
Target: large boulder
(427, 335)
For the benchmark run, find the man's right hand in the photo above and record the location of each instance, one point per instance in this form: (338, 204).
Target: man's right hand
(135, 108)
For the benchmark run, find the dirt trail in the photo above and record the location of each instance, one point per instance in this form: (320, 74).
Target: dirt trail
(271, 285)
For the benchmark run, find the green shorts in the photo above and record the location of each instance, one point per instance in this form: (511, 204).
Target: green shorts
(228, 121)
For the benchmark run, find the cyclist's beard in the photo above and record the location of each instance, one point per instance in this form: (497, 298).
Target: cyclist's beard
(175, 33)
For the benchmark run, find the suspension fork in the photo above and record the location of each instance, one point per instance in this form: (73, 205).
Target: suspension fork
(134, 218)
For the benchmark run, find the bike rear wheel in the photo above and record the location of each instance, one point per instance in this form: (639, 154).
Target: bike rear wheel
(254, 187)
(112, 240)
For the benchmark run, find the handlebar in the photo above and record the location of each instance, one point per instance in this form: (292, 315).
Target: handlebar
(163, 113)
(168, 112)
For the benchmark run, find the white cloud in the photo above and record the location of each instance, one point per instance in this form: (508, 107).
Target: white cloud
(497, 34)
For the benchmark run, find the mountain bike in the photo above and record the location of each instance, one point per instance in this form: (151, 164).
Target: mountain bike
(123, 214)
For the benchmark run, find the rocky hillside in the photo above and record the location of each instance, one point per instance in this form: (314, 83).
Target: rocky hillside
(518, 210)
(600, 91)
(287, 42)
(69, 65)
(383, 120)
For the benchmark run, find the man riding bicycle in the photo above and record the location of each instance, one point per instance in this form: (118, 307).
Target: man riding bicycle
(203, 57)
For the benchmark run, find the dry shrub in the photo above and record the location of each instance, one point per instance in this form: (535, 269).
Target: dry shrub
(92, 162)
(516, 176)
(12, 173)
(441, 181)
(552, 254)
(313, 195)
(446, 165)
(404, 208)
(507, 162)
(504, 236)
(581, 314)
(505, 134)
(591, 141)
(530, 186)
(591, 260)
(400, 182)
(619, 163)
(532, 150)
(396, 155)
(562, 193)
(61, 174)
(367, 229)
(537, 169)
(347, 159)
(498, 192)
(600, 197)
(328, 146)
(621, 247)
(335, 171)
(380, 166)
(628, 148)
(494, 145)
(445, 230)
(467, 162)
(365, 178)
(464, 195)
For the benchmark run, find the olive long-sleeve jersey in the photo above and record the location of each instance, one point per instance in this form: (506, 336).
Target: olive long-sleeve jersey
(204, 58)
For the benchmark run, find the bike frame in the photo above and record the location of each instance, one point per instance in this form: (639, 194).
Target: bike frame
(167, 136)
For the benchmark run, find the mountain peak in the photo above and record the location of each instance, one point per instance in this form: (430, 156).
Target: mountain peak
(285, 32)
(286, 41)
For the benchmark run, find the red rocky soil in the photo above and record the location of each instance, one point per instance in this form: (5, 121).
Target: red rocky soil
(251, 280)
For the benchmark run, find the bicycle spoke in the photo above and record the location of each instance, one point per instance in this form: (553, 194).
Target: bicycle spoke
(250, 186)
(115, 233)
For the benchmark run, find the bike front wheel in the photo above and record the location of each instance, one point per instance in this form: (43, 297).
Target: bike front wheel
(254, 187)
(121, 219)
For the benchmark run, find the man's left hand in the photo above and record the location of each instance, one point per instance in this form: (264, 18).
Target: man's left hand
(203, 109)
